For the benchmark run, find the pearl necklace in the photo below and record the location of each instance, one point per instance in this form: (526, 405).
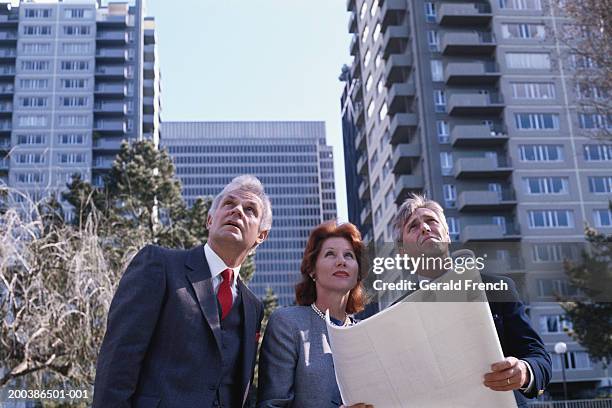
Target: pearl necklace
(322, 316)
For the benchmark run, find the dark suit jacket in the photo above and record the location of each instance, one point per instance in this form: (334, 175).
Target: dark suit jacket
(517, 337)
(163, 340)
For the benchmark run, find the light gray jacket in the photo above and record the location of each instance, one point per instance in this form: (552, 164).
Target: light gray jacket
(295, 364)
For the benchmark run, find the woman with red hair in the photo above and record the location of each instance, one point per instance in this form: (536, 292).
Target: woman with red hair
(295, 365)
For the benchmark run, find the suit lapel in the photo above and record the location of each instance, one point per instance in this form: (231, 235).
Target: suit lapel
(199, 276)
(249, 311)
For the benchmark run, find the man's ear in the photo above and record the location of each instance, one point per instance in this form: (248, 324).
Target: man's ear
(261, 237)
(208, 221)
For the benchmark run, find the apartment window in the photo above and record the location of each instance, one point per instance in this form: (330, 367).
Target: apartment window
(31, 139)
(77, 30)
(551, 219)
(594, 152)
(582, 62)
(75, 48)
(520, 4)
(33, 83)
(533, 90)
(37, 30)
(536, 121)
(553, 252)
(440, 100)
(370, 110)
(33, 102)
(364, 35)
(528, 60)
(374, 8)
(546, 185)
(554, 324)
(603, 218)
(446, 163)
(378, 214)
(376, 32)
(600, 184)
(593, 121)
(376, 187)
(382, 113)
(572, 360)
(71, 139)
(588, 91)
(30, 158)
(73, 101)
(436, 71)
(368, 84)
(433, 39)
(387, 167)
(389, 197)
(36, 48)
(74, 83)
(524, 31)
(442, 131)
(378, 59)
(78, 13)
(71, 158)
(453, 228)
(35, 65)
(32, 121)
(37, 13)
(367, 57)
(541, 153)
(450, 195)
(430, 12)
(29, 178)
(73, 120)
(75, 65)
(363, 10)
(374, 160)
(380, 86)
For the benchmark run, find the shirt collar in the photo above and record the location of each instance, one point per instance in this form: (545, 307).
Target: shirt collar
(216, 264)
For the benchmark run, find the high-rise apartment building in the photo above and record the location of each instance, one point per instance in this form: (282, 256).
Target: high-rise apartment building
(473, 103)
(293, 162)
(76, 78)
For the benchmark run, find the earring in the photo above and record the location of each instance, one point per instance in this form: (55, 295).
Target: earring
(313, 277)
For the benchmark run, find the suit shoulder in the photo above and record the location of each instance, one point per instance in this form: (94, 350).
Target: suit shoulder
(291, 314)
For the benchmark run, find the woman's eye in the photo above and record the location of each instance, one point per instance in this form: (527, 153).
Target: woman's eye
(349, 255)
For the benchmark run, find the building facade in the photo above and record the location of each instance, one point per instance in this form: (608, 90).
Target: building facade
(76, 79)
(292, 161)
(473, 104)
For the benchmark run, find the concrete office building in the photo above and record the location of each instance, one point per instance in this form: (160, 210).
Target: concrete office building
(76, 78)
(473, 104)
(295, 166)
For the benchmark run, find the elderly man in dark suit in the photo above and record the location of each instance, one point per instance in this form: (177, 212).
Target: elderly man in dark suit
(182, 327)
(420, 228)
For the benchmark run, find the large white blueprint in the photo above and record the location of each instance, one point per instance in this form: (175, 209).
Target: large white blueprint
(420, 354)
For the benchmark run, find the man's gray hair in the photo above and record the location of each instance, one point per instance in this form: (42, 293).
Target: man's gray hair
(408, 207)
(250, 184)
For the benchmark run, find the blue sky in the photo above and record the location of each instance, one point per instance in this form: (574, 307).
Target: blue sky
(255, 60)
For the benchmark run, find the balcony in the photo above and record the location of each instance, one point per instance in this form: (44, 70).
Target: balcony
(362, 164)
(5, 145)
(352, 23)
(7, 71)
(6, 109)
(404, 156)
(486, 201)
(360, 140)
(394, 40)
(468, 14)
(350, 5)
(397, 68)
(107, 144)
(112, 72)
(111, 90)
(397, 95)
(7, 89)
(364, 187)
(475, 104)
(402, 126)
(113, 20)
(112, 37)
(111, 55)
(110, 127)
(468, 43)
(102, 163)
(110, 108)
(4, 164)
(7, 54)
(5, 126)
(354, 47)
(9, 19)
(490, 233)
(482, 167)
(366, 215)
(8, 37)
(407, 184)
(471, 73)
(477, 136)
(392, 12)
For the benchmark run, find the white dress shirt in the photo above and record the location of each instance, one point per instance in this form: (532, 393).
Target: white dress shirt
(216, 266)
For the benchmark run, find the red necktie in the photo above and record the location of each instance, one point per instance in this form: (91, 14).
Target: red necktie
(224, 295)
